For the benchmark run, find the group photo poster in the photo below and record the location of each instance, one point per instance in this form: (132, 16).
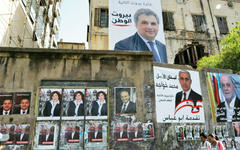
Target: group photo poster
(95, 136)
(221, 131)
(6, 103)
(178, 96)
(19, 134)
(125, 100)
(224, 96)
(71, 135)
(50, 100)
(46, 135)
(137, 25)
(137, 131)
(96, 101)
(73, 102)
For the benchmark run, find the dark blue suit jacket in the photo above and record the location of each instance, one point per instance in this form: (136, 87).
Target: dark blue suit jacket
(136, 43)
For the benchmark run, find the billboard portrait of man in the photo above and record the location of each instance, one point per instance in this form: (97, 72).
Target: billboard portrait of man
(229, 109)
(124, 104)
(187, 93)
(147, 25)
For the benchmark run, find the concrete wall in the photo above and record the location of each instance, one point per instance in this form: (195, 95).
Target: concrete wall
(23, 70)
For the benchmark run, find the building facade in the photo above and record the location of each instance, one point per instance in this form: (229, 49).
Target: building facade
(29, 23)
(193, 28)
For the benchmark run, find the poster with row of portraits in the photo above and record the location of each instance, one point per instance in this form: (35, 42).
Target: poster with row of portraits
(178, 96)
(15, 103)
(71, 135)
(231, 143)
(16, 134)
(137, 131)
(190, 132)
(221, 131)
(224, 93)
(72, 103)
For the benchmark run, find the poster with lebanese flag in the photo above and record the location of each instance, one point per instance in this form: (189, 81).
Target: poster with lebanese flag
(178, 96)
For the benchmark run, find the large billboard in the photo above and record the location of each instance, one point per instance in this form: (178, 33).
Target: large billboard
(224, 93)
(178, 96)
(137, 26)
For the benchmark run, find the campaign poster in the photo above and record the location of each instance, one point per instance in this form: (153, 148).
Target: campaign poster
(71, 136)
(224, 93)
(95, 135)
(96, 101)
(73, 103)
(180, 133)
(120, 131)
(22, 134)
(148, 130)
(10, 130)
(125, 100)
(22, 103)
(230, 143)
(178, 96)
(236, 128)
(134, 24)
(49, 107)
(46, 135)
(6, 103)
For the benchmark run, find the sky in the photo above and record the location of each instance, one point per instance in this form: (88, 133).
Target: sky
(74, 21)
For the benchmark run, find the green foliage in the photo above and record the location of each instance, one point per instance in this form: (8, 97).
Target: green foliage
(229, 56)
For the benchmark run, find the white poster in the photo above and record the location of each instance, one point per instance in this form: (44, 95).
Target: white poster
(178, 96)
(136, 25)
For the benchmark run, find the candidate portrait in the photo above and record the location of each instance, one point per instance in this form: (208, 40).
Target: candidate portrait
(99, 107)
(125, 104)
(76, 107)
(229, 108)
(147, 25)
(6, 108)
(23, 107)
(187, 93)
(52, 107)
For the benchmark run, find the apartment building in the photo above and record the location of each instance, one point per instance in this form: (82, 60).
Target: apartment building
(29, 23)
(193, 28)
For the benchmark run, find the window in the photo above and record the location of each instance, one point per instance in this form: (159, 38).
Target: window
(24, 2)
(101, 17)
(168, 21)
(222, 25)
(199, 23)
(190, 55)
(33, 10)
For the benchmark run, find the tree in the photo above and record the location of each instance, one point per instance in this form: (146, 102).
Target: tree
(229, 56)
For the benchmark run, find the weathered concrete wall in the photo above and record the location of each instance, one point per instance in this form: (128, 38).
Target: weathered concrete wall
(23, 70)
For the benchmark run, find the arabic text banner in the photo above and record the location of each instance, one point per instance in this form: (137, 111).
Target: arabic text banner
(178, 96)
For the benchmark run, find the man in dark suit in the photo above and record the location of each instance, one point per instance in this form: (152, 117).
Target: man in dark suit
(23, 136)
(187, 93)
(74, 134)
(99, 132)
(147, 24)
(126, 105)
(229, 109)
(24, 107)
(6, 107)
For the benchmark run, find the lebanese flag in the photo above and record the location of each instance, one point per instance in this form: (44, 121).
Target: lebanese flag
(189, 103)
